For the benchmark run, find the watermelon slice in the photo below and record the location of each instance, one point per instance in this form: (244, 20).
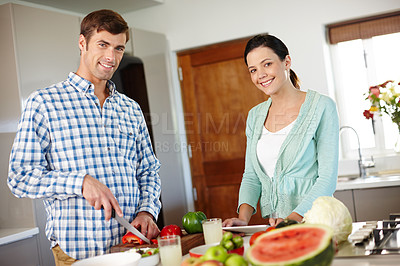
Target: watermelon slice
(301, 244)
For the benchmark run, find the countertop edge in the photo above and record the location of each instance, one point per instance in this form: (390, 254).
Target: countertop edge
(360, 184)
(10, 235)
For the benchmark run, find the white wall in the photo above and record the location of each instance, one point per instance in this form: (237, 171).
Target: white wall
(300, 24)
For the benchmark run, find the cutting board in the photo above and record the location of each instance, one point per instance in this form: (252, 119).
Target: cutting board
(188, 242)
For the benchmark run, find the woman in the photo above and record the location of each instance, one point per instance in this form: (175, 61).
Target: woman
(292, 140)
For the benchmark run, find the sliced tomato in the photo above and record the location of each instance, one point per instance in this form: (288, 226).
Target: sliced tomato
(254, 237)
(257, 234)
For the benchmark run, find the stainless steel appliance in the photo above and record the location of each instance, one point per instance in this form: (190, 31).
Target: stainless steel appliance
(373, 238)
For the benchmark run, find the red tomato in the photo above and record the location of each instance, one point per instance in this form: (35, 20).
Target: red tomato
(254, 237)
(270, 228)
(171, 229)
(257, 234)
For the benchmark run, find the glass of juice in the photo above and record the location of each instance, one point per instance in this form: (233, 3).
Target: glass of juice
(170, 250)
(212, 230)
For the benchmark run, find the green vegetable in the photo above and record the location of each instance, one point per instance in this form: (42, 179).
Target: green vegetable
(295, 245)
(331, 212)
(191, 222)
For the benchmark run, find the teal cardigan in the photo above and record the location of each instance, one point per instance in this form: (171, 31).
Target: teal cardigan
(307, 162)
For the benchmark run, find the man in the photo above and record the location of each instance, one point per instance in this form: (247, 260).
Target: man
(85, 149)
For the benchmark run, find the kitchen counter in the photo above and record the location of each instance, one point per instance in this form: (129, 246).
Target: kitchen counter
(388, 180)
(10, 235)
(371, 260)
(368, 261)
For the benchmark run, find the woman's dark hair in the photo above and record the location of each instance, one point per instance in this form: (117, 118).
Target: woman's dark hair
(276, 45)
(104, 19)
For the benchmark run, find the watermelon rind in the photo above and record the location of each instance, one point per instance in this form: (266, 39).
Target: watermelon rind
(321, 256)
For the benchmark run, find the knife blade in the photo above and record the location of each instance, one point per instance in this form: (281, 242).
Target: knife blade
(129, 227)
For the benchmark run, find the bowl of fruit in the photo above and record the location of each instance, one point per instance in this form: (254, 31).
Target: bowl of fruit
(228, 252)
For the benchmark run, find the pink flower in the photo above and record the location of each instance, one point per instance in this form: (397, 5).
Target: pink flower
(374, 90)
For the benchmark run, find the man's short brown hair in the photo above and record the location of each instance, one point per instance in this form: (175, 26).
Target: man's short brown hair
(104, 19)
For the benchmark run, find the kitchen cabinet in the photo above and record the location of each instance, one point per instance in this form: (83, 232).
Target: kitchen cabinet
(39, 48)
(371, 204)
(376, 203)
(23, 252)
(346, 196)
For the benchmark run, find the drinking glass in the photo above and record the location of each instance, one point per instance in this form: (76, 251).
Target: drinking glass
(212, 230)
(170, 250)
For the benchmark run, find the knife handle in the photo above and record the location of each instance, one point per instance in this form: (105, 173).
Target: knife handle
(112, 212)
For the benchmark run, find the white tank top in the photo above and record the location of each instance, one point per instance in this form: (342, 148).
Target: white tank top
(268, 147)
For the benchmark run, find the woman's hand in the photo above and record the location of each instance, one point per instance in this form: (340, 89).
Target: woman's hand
(245, 213)
(233, 222)
(274, 221)
(293, 216)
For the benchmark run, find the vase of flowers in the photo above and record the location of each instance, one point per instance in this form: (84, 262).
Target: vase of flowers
(385, 98)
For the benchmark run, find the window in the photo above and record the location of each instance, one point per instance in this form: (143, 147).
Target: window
(365, 53)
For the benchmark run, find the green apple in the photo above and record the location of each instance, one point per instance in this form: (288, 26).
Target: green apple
(227, 236)
(235, 260)
(218, 253)
(228, 245)
(238, 241)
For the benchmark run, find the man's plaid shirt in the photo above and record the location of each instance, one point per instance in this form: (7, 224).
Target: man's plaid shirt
(63, 135)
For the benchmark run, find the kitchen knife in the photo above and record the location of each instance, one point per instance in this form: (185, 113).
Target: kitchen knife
(129, 227)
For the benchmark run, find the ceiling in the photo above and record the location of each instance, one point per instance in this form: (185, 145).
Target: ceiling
(86, 6)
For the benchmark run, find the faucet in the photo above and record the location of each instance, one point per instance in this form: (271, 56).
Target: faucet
(362, 164)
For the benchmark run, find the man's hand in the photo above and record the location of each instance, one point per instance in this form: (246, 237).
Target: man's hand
(145, 222)
(100, 196)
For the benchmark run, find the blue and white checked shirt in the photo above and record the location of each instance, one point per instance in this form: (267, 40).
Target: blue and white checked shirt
(63, 135)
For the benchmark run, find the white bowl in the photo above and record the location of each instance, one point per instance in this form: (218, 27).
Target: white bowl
(150, 260)
(146, 261)
(114, 259)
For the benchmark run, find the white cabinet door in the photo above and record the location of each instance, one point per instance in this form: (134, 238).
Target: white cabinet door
(47, 47)
(38, 48)
(23, 252)
(10, 107)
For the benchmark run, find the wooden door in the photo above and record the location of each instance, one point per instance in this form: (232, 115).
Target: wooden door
(217, 95)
